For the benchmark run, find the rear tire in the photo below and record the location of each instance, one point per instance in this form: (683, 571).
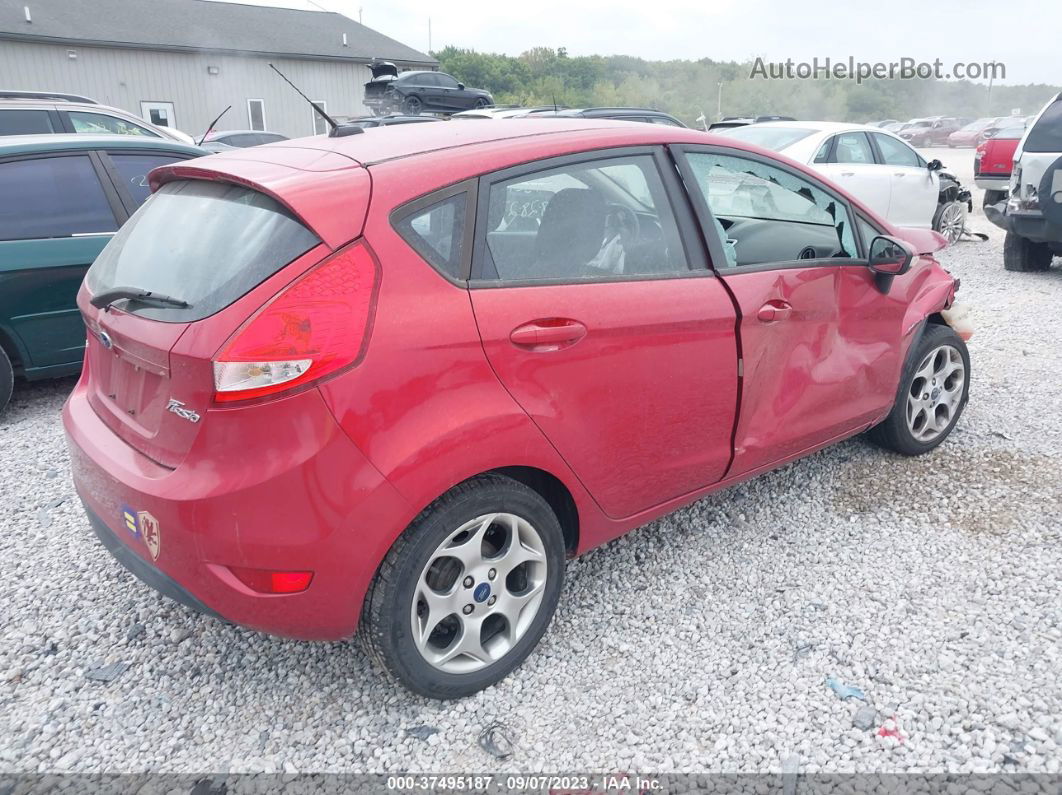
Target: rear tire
(934, 388)
(7, 379)
(468, 589)
(412, 106)
(1023, 255)
(993, 197)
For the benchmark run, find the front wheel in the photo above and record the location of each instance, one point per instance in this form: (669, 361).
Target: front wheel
(468, 590)
(481, 103)
(950, 220)
(933, 392)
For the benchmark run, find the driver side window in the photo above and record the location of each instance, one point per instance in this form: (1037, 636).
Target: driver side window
(770, 215)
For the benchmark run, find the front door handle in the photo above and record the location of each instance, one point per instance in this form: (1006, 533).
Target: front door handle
(847, 173)
(548, 334)
(773, 311)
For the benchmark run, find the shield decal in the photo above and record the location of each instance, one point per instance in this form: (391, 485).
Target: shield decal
(150, 532)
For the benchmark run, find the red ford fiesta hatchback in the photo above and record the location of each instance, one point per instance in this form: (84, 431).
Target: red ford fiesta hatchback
(390, 381)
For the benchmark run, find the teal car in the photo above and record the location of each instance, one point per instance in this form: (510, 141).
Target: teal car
(62, 198)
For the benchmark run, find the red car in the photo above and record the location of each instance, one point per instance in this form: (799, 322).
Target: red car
(970, 135)
(390, 381)
(993, 160)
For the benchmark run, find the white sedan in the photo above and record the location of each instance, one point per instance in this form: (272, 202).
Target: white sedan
(874, 165)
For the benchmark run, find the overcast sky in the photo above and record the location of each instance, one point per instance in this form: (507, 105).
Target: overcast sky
(1022, 34)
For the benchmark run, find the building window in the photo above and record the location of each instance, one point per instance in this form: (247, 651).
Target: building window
(159, 113)
(256, 114)
(320, 126)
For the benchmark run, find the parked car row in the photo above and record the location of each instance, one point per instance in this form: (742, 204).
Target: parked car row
(947, 131)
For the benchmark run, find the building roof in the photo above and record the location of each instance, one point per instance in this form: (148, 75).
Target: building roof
(33, 144)
(202, 25)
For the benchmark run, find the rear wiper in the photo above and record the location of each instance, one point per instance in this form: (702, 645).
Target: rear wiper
(108, 297)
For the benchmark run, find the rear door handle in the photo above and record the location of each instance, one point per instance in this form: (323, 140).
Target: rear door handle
(547, 334)
(773, 311)
(900, 174)
(847, 173)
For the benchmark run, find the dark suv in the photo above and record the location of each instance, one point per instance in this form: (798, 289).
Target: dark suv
(414, 92)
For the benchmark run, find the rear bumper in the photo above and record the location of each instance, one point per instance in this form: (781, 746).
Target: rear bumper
(1031, 226)
(145, 572)
(297, 496)
(992, 181)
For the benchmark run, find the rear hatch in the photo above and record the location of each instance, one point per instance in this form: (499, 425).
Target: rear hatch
(220, 245)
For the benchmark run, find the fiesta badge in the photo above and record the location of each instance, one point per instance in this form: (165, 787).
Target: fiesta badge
(150, 532)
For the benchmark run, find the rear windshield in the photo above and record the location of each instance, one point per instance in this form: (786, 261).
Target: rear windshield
(774, 138)
(207, 243)
(1046, 135)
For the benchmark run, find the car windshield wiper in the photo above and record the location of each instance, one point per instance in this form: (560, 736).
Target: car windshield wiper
(108, 297)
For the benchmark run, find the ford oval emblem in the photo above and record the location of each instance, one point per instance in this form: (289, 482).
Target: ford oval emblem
(105, 340)
(482, 592)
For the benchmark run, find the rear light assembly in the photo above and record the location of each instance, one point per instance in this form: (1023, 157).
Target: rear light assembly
(1023, 198)
(273, 582)
(317, 326)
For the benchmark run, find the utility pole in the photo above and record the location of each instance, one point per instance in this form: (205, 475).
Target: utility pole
(991, 75)
(719, 104)
(359, 15)
(429, 35)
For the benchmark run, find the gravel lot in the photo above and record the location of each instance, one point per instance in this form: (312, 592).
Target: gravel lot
(702, 642)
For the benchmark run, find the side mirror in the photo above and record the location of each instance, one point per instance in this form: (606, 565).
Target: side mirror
(934, 165)
(889, 256)
(460, 86)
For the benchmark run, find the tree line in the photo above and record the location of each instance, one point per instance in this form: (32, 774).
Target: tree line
(688, 89)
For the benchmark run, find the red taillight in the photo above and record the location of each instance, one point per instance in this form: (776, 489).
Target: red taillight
(265, 581)
(316, 326)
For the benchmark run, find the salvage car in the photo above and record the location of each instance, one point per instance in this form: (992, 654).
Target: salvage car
(1032, 214)
(934, 131)
(623, 318)
(875, 165)
(47, 112)
(418, 91)
(62, 197)
(993, 160)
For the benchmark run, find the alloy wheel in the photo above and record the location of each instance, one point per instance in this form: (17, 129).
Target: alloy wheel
(952, 222)
(479, 593)
(935, 394)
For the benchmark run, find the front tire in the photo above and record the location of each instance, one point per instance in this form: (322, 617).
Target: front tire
(934, 388)
(7, 379)
(950, 220)
(1023, 255)
(468, 590)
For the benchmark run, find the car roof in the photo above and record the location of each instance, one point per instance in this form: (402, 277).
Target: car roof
(32, 144)
(246, 132)
(820, 126)
(372, 146)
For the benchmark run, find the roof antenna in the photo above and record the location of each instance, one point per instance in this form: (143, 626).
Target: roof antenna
(210, 127)
(337, 131)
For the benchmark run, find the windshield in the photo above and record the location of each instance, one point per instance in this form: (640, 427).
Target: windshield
(206, 243)
(774, 138)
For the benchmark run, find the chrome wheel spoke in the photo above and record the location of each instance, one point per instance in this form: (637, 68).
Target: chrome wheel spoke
(468, 645)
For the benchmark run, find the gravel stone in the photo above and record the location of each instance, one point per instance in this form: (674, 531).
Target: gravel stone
(931, 582)
(865, 718)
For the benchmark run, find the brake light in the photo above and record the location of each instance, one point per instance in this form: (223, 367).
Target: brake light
(315, 327)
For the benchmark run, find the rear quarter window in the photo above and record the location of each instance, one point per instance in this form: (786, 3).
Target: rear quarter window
(56, 197)
(25, 122)
(207, 243)
(1046, 134)
(436, 233)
